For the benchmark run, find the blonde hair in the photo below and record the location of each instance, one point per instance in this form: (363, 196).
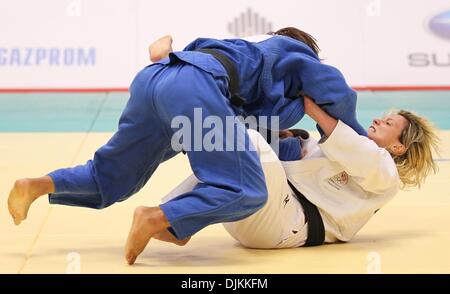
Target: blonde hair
(420, 139)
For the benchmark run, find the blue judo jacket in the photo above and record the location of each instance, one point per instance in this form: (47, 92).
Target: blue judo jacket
(274, 73)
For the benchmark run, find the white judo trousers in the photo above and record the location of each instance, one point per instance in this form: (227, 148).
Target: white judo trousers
(281, 221)
(347, 176)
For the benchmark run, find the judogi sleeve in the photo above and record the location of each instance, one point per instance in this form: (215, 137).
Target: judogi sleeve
(289, 149)
(326, 85)
(370, 166)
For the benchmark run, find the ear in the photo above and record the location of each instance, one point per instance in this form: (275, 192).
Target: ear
(398, 149)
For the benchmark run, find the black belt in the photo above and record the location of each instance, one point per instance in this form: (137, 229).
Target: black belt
(316, 229)
(232, 73)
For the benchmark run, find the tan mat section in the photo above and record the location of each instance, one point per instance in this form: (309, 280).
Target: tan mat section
(30, 155)
(410, 235)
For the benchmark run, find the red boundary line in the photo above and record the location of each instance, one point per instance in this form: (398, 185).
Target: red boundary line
(97, 90)
(402, 88)
(64, 90)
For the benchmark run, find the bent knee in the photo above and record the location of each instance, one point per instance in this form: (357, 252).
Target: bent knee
(257, 199)
(263, 197)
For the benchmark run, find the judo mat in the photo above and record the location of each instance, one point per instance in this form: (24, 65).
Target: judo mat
(40, 132)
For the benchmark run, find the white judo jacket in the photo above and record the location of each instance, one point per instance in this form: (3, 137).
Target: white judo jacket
(348, 177)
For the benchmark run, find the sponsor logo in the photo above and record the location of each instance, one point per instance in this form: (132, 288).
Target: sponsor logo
(338, 181)
(249, 23)
(424, 59)
(55, 57)
(286, 200)
(440, 25)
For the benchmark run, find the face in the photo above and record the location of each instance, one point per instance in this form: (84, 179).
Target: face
(386, 132)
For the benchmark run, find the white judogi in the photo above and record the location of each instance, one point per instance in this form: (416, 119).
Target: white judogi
(348, 177)
(281, 222)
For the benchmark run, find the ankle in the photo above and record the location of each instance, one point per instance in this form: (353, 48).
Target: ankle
(42, 186)
(154, 216)
(48, 185)
(161, 218)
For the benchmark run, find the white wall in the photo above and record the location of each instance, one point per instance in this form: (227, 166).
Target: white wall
(103, 43)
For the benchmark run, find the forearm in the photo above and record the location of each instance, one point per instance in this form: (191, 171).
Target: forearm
(326, 122)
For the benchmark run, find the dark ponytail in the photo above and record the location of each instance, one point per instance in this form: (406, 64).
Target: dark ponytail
(299, 35)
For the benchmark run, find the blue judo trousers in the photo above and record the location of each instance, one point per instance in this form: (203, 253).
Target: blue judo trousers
(272, 74)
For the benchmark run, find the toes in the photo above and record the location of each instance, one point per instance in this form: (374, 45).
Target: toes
(131, 258)
(11, 211)
(13, 215)
(16, 218)
(185, 241)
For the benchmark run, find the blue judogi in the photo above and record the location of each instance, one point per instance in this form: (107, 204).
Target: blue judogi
(232, 182)
(275, 71)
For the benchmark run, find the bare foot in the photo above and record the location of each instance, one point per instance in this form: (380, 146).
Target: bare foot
(147, 221)
(166, 236)
(160, 48)
(24, 193)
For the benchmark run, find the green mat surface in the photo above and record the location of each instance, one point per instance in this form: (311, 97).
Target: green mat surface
(100, 112)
